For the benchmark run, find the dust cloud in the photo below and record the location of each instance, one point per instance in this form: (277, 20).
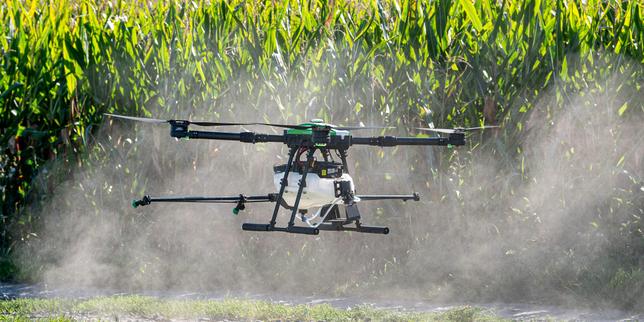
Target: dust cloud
(531, 226)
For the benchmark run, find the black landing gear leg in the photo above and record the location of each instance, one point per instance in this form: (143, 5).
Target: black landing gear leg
(291, 223)
(291, 228)
(283, 185)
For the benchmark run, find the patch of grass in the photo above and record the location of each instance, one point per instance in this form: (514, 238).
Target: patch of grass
(237, 309)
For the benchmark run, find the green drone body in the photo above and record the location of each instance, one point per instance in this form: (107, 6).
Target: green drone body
(309, 127)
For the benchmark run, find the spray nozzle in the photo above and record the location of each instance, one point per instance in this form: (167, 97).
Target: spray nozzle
(146, 200)
(240, 205)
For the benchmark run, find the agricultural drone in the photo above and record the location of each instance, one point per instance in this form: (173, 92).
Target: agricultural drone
(305, 184)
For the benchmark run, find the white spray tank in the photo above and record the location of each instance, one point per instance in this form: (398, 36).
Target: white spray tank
(322, 183)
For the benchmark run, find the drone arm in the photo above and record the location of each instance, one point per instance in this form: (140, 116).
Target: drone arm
(180, 130)
(246, 137)
(453, 139)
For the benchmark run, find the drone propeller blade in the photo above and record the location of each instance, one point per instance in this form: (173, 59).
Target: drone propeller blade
(458, 129)
(251, 123)
(286, 126)
(200, 123)
(289, 126)
(353, 128)
(480, 128)
(446, 131)
(138, 119)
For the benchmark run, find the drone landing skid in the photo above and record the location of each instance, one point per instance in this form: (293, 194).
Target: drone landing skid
(334, 226)
(334, 221)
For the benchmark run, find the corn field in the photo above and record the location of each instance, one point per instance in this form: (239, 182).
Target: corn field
(398, 63)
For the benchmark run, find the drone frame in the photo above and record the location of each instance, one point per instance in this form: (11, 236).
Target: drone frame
(312, 137)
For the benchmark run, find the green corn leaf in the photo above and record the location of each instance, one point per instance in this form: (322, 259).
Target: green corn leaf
(471, 14)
